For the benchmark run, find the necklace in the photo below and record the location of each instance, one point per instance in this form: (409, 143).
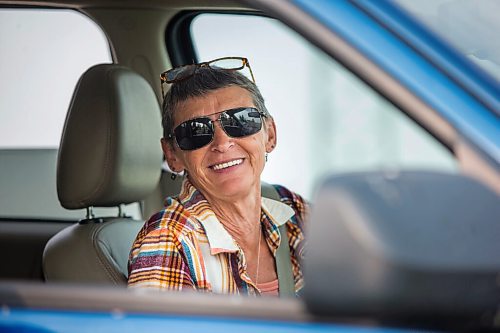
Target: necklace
(258, 256)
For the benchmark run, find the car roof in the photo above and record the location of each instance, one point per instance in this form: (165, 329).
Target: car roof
(175, 4)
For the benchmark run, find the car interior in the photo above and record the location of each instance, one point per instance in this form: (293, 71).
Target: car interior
(69, 214)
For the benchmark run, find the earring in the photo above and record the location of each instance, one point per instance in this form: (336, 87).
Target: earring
(173, 174)
(266, 156)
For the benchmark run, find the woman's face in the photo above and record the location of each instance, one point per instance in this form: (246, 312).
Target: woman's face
(226, 168)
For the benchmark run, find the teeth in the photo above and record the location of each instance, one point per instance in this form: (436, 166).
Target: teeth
(227, 164)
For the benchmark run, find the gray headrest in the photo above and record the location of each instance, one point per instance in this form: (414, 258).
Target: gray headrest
(110, 152)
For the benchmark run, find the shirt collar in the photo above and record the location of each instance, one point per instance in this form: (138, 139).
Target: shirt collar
(218, 238)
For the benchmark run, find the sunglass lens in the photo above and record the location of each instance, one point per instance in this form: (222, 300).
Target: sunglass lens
(241, 122)
(199, 132)
(194, 134)
(228, 63)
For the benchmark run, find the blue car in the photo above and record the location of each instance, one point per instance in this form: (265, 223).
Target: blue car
(388, 114)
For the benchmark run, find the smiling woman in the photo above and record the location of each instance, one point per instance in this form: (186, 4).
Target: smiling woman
(250, 145)
(219, 234)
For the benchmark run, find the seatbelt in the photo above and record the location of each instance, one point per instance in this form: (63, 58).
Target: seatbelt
(284, 265)
(283, 260)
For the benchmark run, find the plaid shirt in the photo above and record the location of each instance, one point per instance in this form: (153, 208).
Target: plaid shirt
(184, 246)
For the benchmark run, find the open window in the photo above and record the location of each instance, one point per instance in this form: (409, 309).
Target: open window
(327, 119)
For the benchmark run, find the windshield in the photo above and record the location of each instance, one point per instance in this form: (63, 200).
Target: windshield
(470, 26)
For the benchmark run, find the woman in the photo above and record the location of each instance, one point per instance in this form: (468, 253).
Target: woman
(219, 234)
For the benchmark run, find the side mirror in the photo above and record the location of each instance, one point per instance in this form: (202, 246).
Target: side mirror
(409, 248)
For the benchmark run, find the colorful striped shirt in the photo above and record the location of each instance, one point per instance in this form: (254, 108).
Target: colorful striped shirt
(185, 246)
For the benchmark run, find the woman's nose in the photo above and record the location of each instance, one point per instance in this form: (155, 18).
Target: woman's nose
(221, 142)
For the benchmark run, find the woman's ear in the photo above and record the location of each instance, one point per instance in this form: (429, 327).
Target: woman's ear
(174, 162)
(271, 134)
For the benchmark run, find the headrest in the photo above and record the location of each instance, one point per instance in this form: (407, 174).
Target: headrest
(110, 148)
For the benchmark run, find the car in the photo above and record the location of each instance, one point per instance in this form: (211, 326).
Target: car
(388, 119)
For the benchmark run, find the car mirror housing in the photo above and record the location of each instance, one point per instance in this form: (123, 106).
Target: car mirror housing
(405, 247)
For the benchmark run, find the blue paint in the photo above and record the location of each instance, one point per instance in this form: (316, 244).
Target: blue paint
(34, 321)
(438, 51)
(469, 116)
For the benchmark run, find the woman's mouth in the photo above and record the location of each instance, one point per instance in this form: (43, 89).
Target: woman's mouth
(225, 165)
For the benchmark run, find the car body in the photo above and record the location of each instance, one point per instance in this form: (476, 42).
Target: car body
(409, 65)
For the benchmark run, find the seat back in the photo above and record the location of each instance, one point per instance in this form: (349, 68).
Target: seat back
(109, 156)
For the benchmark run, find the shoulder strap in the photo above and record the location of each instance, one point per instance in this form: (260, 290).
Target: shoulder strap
(283, 261)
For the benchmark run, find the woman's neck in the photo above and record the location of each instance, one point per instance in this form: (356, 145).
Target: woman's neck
(240, 217)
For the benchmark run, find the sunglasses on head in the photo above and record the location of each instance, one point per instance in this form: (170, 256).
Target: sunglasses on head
(236, 123)
(186, 71)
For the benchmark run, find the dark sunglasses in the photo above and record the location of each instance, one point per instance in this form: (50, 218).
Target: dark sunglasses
(199, 132)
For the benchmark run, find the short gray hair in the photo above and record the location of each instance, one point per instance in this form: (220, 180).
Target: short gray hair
(204, 81)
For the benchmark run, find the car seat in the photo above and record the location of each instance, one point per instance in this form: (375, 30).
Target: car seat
(109, 156)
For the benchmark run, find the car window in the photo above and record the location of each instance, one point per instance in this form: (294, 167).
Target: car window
(327, 119)
(44, 52)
